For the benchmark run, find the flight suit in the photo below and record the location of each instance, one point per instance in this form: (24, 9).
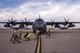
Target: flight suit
(12, 35)
(37, 34)
(15, 38)
(49, 35)
(20, 31)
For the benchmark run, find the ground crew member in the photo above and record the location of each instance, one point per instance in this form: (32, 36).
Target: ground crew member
(48, 32)
(37, 34)
(27, 36)
(14, 37)
(20, 31)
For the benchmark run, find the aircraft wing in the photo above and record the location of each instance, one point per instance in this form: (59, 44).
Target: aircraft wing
(63, 23)
(73, 22)
(29, 23)
(49, 23)
(4, 22)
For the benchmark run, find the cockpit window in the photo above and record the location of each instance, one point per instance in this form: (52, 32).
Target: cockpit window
(39, 21)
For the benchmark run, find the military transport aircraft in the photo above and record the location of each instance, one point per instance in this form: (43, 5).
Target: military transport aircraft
(39, 24)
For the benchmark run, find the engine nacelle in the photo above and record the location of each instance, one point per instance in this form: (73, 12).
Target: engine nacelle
(13, 23)
(7, 25)
(65, 23)
(21, 26)
(71, 25)
(57, 26)
(26, 24)
(52, 23)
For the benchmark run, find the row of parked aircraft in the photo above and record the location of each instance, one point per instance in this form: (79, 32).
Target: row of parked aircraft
(39, 24)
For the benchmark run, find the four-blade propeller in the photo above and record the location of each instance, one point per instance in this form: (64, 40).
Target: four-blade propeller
(52, 22)
(12, 21)
(24, 22)
(66, 22)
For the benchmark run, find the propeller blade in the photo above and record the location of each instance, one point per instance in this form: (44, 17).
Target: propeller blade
(25, 19)
(65, 19)
(52, 22)
(22, 20)
(29, 20)
(12, 19)
(8, 20)
(68, 20)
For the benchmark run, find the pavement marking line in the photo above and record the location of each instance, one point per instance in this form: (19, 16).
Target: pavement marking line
(38, 46)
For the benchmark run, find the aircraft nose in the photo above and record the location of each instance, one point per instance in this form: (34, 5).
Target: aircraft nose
(39, 25)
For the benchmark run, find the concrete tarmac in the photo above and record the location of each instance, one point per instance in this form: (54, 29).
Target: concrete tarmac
(61, 41)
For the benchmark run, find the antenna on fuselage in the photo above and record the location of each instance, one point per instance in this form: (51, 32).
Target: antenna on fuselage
(39, 16)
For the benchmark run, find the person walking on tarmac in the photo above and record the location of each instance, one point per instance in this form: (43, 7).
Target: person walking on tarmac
(14, 37)
(20, 31)
(37, 34)
(48, 32)
(27, 36)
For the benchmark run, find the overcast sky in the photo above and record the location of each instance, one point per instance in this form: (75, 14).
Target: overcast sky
(48, 9)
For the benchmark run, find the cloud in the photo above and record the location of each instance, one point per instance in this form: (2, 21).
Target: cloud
(47, 10)
(66, 1)
(11, 3)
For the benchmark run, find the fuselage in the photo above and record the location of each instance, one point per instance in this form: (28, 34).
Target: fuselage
(39, 24)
